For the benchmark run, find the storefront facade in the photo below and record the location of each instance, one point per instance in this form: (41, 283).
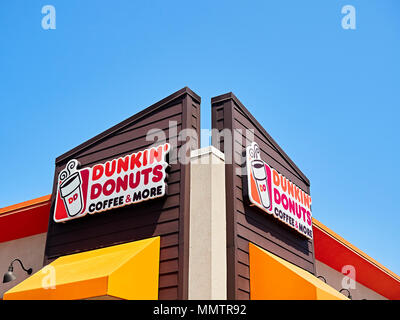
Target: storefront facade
(141, 212)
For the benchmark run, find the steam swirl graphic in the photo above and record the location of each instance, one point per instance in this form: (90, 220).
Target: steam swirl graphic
(71, 167)
(73, 164)
(63, 175)
(254, 152)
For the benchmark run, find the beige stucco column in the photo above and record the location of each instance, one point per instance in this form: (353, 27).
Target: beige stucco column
(207, 235)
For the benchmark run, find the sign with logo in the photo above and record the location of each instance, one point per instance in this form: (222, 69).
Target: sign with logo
(277, 195)
(119, 182)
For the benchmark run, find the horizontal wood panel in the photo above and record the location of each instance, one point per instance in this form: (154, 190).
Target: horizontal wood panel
(112, 238)
(267, 226)
(168, 280)
(242, 295)
(243, 270)
(243, 249)
(243, 283)
(169, 241)
(169, 266)
(169, 253)
(194, 121)
(122, 234)
(220, 126)
(220, 113)
(135, 134)
(274, 248)
(167, 202)
(133, 221)
(168, 293)
(120, 150)
(241, 255)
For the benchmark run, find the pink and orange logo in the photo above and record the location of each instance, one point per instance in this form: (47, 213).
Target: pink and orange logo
(123, 181)
(275, 194)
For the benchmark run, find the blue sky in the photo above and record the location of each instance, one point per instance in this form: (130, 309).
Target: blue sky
(330, 97)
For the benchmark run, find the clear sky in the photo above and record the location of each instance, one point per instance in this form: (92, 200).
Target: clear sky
(329, 96)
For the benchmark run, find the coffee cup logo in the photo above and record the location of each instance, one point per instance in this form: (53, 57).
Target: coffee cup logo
(260, 176)
(70, 188)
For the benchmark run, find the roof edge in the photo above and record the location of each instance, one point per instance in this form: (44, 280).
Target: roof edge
(24, 205)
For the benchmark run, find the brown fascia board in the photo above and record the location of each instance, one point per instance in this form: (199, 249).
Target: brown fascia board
(128, 121)
(230, 95)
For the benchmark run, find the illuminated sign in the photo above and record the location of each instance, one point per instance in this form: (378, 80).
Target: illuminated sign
(275, 194)
(119, 182)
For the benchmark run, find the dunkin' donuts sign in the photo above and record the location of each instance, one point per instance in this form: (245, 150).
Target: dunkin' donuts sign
(277, 195)
(127, 180)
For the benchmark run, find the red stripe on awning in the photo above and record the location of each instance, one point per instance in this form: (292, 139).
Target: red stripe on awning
(336, 255)
(24, 222)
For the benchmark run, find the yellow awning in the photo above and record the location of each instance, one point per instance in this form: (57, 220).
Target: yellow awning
(272, 278)
(126, 271)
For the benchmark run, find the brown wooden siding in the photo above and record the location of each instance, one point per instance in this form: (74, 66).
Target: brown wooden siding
(164, 217)
(244, 223)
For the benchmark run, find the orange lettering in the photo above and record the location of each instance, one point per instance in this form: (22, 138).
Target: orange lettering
(275, 177)
(290, 188)
(283, 185)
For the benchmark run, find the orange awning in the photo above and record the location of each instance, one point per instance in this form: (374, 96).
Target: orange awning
(126, 271)
(272, 278)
